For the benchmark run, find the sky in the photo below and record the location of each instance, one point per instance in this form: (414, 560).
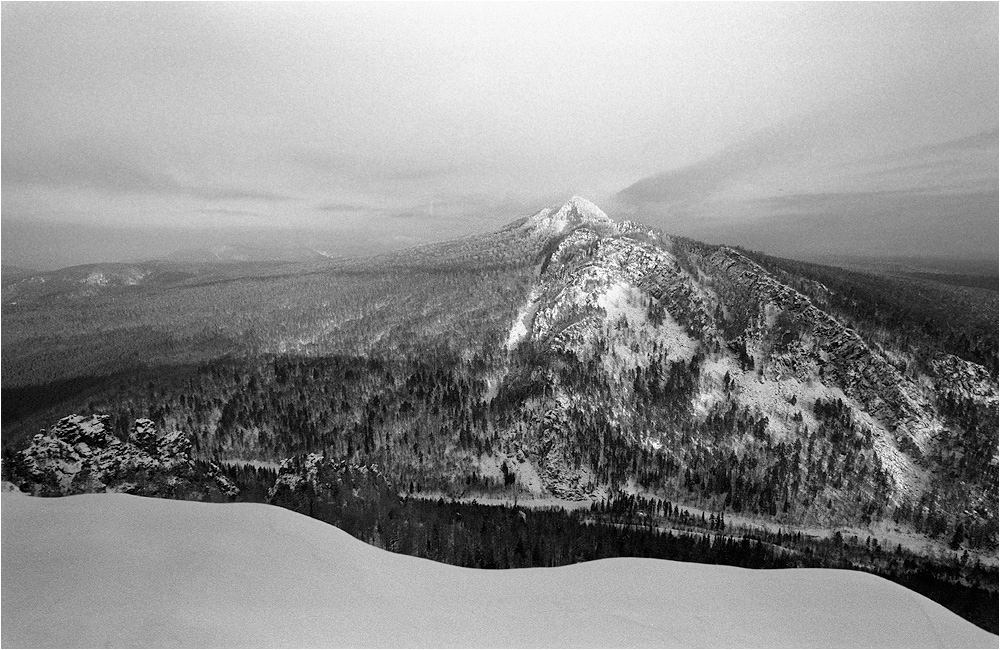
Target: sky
(394, 124)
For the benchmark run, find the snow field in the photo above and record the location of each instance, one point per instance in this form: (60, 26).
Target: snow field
(113, 570)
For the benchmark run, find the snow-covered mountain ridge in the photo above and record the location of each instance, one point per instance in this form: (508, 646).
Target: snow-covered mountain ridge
(621, 299)
(185, 574)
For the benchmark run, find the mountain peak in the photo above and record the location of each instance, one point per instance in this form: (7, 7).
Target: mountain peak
(574, 212)
(586, 210)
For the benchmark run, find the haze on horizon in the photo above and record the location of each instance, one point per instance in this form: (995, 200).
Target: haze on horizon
(375, 126)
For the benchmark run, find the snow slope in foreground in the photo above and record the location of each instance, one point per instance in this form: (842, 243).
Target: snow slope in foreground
(116, 570)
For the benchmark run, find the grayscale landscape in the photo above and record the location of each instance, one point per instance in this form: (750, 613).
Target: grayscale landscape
(500, 325)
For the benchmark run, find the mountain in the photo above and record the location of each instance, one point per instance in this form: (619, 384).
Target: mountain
(181, 574)
(565, 332)
(569, 332)
(705, 356)
(566, 358)
(861, 197)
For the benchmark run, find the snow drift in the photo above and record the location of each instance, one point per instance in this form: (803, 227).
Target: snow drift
(116, 570)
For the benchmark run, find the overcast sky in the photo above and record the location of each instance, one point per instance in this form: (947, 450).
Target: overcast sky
(398, 118)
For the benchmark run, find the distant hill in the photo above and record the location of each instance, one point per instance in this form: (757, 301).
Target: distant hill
(10, 273)
(177, 312)
(136, 572)
(247, 253)
(49, 245)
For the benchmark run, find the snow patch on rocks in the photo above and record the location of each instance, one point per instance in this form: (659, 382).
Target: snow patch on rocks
(522, 325)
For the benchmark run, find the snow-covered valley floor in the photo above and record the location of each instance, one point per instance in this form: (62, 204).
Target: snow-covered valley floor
(112, 570)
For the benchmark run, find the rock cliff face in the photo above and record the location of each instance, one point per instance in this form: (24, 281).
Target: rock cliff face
(825, 349)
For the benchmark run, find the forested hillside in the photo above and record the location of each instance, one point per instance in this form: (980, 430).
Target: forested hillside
(101, 320)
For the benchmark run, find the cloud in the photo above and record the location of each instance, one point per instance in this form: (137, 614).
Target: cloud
(898, 222)
(343, 207)
(818, 188)
(827, 151)
(222, 193)
(231, 212)
(416, 213)
(90, 167)
(358, 168)
(75, 167)
(761, 150)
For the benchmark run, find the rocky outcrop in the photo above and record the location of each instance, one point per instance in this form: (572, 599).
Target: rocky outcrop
(79, 454)
(333, 490)
(964, 379)
(316, 472)
(558, 473)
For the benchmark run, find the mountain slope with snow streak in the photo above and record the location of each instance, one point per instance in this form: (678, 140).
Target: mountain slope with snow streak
(113, 570)
(626, 315)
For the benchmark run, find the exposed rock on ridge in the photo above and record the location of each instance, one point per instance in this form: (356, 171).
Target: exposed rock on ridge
(80, 455)
(842, 357)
